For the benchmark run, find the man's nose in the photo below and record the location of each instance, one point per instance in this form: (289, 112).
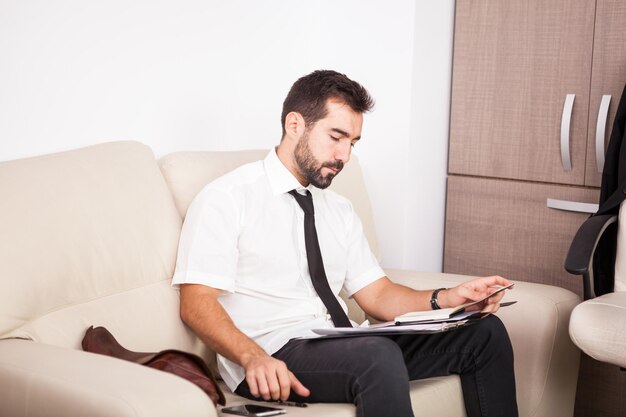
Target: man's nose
(342, 151)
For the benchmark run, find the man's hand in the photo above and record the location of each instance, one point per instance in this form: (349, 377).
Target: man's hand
(270, 379)
(475, 290)
(266, 376)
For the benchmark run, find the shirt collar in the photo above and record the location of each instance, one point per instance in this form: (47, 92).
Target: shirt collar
(280, 178)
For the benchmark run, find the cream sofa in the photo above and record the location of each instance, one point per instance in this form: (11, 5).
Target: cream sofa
(89, 237)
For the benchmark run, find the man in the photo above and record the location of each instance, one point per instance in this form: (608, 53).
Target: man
(249, 279)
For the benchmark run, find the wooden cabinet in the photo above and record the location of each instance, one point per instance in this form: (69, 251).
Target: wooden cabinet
(515, 143)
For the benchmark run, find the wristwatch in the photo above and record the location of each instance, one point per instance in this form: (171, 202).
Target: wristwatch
(433, 299)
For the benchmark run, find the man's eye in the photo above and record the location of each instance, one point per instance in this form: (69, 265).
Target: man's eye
(334, 138)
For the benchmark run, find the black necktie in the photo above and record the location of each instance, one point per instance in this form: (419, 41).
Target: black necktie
(316, 264)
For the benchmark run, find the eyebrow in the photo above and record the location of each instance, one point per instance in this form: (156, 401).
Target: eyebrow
(344, 133)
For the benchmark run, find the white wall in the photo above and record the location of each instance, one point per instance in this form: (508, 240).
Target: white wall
(211, 75)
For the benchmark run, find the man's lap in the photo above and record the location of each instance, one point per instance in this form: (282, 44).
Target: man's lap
(337, 365)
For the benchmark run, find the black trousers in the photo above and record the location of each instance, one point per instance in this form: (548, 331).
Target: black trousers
(373, 372)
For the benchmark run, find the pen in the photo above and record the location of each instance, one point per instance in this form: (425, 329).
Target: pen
(507, 303)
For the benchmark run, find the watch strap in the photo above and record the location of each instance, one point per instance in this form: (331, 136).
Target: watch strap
(433, 299)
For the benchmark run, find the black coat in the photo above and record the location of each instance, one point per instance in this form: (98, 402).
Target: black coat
(612, 193)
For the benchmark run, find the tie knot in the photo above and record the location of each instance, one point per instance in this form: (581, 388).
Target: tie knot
(304, 201)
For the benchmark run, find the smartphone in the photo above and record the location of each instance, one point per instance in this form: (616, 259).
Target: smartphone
(253, 410)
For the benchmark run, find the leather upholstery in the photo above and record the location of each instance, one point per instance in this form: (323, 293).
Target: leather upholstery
(597, 327)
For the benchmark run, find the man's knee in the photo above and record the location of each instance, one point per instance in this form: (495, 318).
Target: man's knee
(492, 334)
(380, 357)
(493, 328)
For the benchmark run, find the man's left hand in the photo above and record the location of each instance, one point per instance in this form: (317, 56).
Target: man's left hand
(475, 290)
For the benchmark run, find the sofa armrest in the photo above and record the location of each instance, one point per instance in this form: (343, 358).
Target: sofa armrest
(546, 360)
(44, 380)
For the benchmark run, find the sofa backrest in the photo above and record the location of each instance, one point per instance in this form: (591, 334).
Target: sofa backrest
(89, 237)
(187, 172)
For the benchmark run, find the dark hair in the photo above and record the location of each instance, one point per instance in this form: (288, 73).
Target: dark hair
(309, 94)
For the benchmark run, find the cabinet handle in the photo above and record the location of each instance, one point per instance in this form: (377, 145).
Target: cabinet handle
(575, 206)
(603, 112)
(565, 123)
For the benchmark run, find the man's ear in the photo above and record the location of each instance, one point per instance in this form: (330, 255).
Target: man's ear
(294, 125)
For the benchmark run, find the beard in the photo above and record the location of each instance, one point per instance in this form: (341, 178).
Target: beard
(310, 168)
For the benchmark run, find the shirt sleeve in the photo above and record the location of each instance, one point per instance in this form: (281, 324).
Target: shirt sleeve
(207, 251)
(362, 265)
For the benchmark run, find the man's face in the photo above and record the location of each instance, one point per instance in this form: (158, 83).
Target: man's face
(326, 145)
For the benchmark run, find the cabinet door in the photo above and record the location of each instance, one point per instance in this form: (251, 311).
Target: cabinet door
(514, 64)
(607, 78)
(505, 227)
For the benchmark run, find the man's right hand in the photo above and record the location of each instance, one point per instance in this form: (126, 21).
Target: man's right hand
(266, 376)
(270, 379)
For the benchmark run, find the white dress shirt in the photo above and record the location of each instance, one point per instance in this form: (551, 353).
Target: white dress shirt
(244, 234)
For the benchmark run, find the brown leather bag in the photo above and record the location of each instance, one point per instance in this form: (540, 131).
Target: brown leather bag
(185, 365)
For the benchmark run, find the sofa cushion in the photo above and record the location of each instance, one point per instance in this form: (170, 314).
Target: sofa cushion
(144, 319)
(440, 396)
(40, 380)
(77, 227)
(597, 327)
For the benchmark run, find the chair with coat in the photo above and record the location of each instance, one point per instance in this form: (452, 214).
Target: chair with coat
(598, 253)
